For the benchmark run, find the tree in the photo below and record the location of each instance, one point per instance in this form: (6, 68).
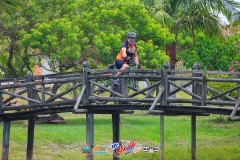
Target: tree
(73, 31)
(213, 53)
(192, 15)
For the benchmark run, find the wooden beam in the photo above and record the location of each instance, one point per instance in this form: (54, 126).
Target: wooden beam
(5, 142)
(19, 96)
(61, 94)
(223, 93)
(105, 88)
(145, 89)
(185, 90)
(30, 140)
(79, 97)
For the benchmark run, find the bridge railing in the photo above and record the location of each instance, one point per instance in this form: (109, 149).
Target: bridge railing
(162, 87)
(204, 94)
(130, 87)
(31, 92)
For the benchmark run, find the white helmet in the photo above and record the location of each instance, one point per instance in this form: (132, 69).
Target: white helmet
(131, 35)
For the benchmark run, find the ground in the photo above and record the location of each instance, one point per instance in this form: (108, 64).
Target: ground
(217, 139)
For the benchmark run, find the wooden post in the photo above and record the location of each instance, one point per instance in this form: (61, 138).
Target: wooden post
(43, 91)
(75, 90)
(1, 101)
(161, 137)
(163, 102)
(5, 143)
(30, 140)
(86, 66)
(204, 90)
(89, 116)
(196, 90)
(193, 124)
(90, 134)
(116, 130)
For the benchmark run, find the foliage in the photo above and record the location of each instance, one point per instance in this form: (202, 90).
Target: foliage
(222, 87)
(57, 40)
(151, 55)
(106, 25)
(67, 32)
(191, 15)
(234, 66)
(213, 53)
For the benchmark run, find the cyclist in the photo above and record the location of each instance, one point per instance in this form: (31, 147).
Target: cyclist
(127, 52)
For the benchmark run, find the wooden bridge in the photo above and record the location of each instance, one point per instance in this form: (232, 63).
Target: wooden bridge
(95, 92)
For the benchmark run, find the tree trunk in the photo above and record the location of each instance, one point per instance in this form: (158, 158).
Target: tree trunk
(9, 64)
(171, 52)
(5, 71)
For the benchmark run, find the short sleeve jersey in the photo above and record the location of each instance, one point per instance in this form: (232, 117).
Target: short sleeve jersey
(131, 51)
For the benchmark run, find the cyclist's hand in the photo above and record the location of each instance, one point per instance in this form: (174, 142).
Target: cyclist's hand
(127, 58)
(139, 67)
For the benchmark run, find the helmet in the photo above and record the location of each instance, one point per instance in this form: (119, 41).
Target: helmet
(131, 35)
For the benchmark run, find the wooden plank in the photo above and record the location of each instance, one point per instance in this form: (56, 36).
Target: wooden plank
(13, 97)
(138, 77)
(156, 99)
(94, 98)
(223, 79)
(235, 108)
(223, 93)
(64, 80)
(181, 100)
(19, 96)
(31, 106)
(79, 97)
(216, 91)
(93, 71)
(184, 78)
(184, 71)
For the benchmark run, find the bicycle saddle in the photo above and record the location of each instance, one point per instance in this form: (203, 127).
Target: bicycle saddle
(111, 66)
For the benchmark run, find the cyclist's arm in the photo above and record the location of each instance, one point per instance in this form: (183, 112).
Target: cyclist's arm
(136, 59)
(124, 52)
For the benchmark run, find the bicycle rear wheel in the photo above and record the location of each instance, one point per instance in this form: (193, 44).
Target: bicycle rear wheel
(134, 86)
(100, 92)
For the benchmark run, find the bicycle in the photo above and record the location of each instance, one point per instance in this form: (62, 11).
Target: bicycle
(117, 85)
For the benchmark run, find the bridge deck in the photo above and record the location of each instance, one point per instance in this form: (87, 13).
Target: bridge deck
(110, 109)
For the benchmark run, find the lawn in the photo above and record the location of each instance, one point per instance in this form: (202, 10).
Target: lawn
(217, 139)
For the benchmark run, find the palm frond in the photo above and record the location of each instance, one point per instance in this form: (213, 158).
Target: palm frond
(227, 7)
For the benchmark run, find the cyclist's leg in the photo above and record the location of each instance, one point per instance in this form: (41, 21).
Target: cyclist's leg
(121, 65)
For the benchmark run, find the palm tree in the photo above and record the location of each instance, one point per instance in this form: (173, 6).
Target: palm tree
(191, 16)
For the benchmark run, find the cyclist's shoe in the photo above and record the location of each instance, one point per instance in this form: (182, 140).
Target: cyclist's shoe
(117, 81)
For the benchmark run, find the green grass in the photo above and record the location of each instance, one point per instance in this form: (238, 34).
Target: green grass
(217, 139)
